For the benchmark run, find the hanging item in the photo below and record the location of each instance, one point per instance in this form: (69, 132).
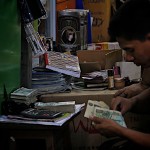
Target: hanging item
(31, 10)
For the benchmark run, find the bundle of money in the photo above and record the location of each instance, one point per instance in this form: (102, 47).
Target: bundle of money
(24, 95)
(91, 106)
(110, 114)
(102, 110)
(68, 106)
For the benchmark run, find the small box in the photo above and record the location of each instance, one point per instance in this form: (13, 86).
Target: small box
(87, 67)
(105, 58)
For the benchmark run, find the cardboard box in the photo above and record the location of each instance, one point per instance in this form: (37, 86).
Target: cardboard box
(106, 58)
(87, 67)
(100, 12)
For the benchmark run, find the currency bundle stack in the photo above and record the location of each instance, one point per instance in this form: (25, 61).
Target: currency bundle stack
(68, 106)
(24, 95)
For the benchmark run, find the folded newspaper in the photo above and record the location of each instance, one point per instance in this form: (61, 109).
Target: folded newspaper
(102, 110)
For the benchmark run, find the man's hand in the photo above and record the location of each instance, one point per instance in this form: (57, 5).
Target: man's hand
(121, 104)
(105, 127)
(130, 91)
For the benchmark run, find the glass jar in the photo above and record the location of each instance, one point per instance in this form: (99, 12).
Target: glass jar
(119, 83)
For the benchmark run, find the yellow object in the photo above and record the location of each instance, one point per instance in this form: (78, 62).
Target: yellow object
(100, 13)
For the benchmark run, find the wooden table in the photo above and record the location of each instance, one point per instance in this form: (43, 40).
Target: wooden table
(22, 136)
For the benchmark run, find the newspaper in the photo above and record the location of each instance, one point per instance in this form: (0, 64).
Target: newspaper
(101, 110)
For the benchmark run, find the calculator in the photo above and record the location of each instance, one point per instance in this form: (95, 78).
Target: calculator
(40, 113)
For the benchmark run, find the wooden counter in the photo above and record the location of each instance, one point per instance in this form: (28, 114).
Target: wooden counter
(80, 96)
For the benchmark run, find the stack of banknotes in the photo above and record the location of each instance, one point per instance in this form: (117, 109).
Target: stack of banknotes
(68, 106)
(102, 110)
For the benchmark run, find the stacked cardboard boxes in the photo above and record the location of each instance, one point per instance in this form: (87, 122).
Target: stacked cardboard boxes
(100, 12)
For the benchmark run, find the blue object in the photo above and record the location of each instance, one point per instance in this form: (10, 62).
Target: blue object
(79, 5)
(89, 29)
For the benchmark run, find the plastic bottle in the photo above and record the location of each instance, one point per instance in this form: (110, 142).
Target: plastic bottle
(111, 84)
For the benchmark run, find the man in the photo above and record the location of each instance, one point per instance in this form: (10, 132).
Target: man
(131, 28)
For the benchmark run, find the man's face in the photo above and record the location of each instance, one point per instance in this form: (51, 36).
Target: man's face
(136, 51)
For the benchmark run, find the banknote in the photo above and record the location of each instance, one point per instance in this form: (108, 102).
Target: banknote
(102, 110)
(91, 104)
(109, 114)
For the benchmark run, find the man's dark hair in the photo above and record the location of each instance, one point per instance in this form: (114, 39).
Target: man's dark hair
(131, 21)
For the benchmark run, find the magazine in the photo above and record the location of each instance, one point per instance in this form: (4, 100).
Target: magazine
(64, 63)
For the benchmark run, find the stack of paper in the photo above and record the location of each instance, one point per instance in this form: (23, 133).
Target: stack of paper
(49, 82)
